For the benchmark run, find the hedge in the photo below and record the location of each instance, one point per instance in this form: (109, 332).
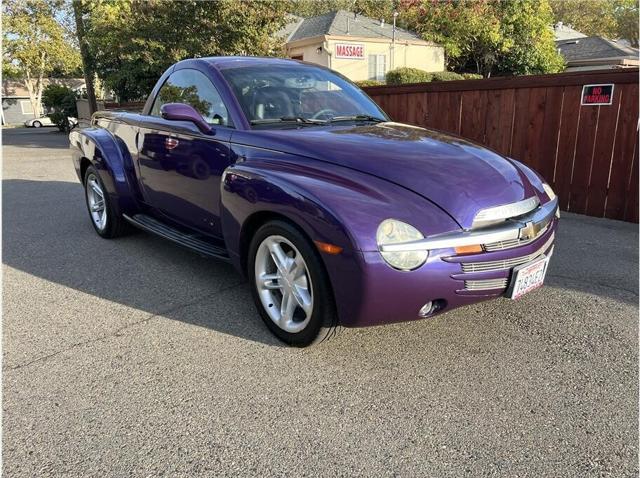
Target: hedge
(447, 76)
(363, 83)
(400, 76)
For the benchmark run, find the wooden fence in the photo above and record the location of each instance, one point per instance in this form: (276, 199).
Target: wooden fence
(589, 154)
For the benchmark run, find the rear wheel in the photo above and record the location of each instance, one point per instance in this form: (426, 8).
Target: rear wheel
(290, 286)
(106, 221)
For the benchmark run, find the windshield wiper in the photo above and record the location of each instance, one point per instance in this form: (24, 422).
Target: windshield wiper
(357, 118)
(288, 119)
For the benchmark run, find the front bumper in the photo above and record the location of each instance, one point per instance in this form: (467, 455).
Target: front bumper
(373, 293)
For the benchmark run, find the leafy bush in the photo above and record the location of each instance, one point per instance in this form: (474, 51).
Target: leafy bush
(62, 100)
(471, 76)
(447, 76)
(364, 83)
(401, 76)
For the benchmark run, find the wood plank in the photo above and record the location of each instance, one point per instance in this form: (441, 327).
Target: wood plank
(472, 124)
(449, 105)
(631, 205)
(583, 158)
(601, 164)
(536, 107)
(569, 123)
(433, 116)
(550, 133)
(518, 147)
(499, 120)
(417, 109)
(621, 164)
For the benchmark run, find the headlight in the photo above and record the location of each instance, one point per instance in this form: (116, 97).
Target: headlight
(549, 191)
(391, 231)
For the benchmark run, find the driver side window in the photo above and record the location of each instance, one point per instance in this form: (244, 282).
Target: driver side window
(193, 88)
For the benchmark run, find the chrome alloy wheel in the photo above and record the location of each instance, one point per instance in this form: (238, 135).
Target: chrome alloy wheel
(284, 284)
(96, 203)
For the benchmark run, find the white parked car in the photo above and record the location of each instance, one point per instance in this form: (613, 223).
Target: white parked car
(46, 121)
(39, 122)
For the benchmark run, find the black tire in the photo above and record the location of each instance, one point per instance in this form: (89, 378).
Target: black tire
(323, 323)
(37, 124)
(115, 225)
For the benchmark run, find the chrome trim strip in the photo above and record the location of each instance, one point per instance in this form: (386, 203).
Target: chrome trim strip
(507, 230)
(504, 264)
(506, 211)
(486, 284)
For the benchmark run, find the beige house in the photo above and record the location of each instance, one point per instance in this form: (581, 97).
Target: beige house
(359, 47)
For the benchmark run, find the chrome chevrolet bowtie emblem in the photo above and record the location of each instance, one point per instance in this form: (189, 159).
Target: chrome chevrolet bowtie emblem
(528, 231)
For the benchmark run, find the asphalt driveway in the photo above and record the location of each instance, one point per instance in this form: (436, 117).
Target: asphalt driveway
(134, 357)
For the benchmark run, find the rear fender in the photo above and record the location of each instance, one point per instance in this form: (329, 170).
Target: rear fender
(109, 156)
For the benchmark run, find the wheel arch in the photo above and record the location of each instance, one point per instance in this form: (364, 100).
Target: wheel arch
(108, 154)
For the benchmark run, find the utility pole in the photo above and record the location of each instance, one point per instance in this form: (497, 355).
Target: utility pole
(393, 41)
(87, 62)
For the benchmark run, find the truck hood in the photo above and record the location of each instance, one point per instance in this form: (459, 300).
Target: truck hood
(458, 176)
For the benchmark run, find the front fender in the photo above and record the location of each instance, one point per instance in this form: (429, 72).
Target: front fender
(110, 156)
(330, 204)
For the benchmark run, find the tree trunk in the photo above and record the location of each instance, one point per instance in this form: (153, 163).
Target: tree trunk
(40, 84)
(32, 92)
(87, 63)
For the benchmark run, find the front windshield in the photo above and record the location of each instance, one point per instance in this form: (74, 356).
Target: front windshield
(276, 95)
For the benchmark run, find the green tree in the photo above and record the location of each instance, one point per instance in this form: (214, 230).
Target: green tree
(615, 19)
(591, 17)
(35, 45)
(488, 36)
(132, 42)
(626, 14)
(532, 50)
(62, 100)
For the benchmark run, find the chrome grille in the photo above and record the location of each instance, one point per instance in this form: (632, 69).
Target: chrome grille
(503, 264)
(511, 243)
(486, 284)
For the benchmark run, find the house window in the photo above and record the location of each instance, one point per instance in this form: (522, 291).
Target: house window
(377, 67)
(26, 107)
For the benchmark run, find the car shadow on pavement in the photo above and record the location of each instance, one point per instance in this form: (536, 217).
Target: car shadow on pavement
(47, 233)
(39, 138)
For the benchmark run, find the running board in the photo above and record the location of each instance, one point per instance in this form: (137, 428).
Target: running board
(190, 241)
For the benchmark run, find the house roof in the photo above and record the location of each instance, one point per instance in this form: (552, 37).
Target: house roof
(565, 32)
(343, 23)
(594, 48)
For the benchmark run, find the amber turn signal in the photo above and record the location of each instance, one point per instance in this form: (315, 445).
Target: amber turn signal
(469, 249)
(328, 248)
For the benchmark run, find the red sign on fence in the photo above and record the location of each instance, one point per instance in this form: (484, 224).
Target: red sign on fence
(597, 94)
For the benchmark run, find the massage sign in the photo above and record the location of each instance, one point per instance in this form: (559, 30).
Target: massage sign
(597, 94)
(353, 51)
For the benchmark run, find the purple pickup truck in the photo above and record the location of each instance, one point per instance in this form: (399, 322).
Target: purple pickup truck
(337, 215)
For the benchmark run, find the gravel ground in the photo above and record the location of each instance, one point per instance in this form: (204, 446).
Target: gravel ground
(135, 357)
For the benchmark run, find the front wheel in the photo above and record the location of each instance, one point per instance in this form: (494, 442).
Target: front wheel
(290, 285)
(37, 124)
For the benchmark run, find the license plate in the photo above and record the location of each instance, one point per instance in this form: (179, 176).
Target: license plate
(528, 277)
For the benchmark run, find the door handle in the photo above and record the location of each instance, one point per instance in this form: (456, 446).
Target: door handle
(170, 143)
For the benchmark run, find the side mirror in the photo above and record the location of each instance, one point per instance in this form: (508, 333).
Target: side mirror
(184, 112)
